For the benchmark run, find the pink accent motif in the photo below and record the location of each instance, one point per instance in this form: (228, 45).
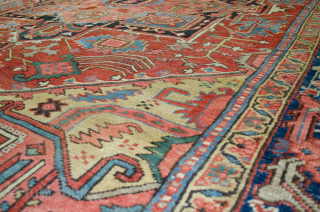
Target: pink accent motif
(56, 68)
(84, 157)
(114, 43)
(131, 147)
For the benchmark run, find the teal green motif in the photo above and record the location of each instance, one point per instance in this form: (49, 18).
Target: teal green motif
(159, 152)
(59, 72)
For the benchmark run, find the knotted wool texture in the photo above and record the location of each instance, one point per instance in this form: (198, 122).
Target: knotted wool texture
(159, 105)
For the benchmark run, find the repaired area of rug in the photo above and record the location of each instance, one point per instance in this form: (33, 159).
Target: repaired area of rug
(159, 105)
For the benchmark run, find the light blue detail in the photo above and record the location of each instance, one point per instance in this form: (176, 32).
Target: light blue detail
(59, 165)
(112, 96)
(12, 170)
(136, 208)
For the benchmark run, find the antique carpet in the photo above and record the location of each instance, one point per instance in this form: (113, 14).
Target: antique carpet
(159, 105)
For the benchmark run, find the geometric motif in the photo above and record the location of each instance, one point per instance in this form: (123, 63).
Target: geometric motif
(84, 157)
(10, 138)
(46, 108)
(164, 21)
(36, 149)
(108, 43)
(53, 69)
(56, 68)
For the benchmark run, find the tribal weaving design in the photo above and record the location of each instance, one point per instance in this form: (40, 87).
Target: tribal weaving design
(159, 105)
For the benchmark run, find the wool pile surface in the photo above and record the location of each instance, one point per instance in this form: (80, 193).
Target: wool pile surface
(159, 105)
